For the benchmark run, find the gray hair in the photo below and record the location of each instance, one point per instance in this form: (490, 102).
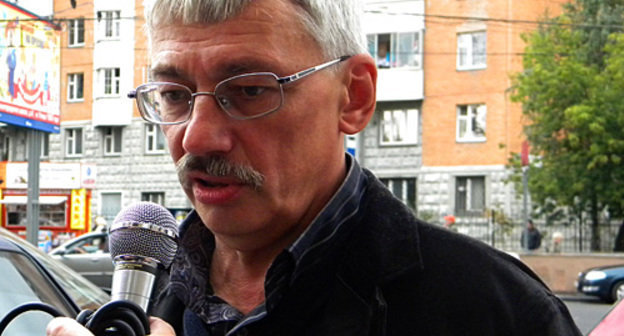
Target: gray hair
(333, 24)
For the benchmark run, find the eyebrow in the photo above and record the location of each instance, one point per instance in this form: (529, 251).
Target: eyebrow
(231, 68)
(166, 71)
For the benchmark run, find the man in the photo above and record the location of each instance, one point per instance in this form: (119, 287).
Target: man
(531, 238)
(289, 235)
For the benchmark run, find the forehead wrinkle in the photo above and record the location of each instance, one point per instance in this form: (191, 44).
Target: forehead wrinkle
(167, 71)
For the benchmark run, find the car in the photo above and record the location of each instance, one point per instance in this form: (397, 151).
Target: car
(606, 282)
(88, 255)
(30, 275)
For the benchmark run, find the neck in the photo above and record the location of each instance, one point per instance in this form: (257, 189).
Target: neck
(238, 276)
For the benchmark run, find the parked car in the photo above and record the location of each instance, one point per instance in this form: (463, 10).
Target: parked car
(606, 282)
(29, 275)
(89, 256)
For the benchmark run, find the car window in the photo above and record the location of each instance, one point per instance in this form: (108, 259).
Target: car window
(85, 294)
(23, 282)
(95, 244)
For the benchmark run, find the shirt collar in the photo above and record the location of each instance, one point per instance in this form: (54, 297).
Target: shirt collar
(340, 207)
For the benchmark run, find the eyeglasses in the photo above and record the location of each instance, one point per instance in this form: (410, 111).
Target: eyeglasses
(241, 97)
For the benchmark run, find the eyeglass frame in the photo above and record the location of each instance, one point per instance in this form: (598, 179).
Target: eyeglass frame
(280, 80)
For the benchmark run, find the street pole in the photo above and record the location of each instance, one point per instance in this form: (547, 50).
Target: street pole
(525, 203)
(32, 203)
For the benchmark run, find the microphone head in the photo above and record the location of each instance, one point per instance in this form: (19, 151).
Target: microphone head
(144, 229)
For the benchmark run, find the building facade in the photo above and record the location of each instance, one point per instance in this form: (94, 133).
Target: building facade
(445, 129)
(104, 56)
(442, 133)
(391, 145)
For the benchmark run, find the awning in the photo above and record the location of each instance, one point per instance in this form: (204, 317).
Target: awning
(42, 199)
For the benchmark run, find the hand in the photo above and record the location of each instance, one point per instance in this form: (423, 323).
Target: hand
(65, 326)
(159, 327)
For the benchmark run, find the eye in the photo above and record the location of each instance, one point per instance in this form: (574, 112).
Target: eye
(252, 91)
(174, 96)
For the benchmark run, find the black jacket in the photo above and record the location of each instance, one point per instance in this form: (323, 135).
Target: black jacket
(387, 273)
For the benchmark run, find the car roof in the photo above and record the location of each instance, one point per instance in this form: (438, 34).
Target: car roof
(8, 245)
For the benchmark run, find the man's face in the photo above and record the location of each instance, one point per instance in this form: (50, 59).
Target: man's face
(297, 151)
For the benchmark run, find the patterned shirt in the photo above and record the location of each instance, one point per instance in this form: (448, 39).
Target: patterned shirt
(191, 267)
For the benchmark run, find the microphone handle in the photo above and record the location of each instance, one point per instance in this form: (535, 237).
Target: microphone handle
(133, 279)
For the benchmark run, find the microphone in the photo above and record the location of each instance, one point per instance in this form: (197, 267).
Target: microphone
(142, 240)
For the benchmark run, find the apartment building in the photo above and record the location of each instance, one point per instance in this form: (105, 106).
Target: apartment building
(103, 57)
(391, 145)
(440, 138)
(469, 125)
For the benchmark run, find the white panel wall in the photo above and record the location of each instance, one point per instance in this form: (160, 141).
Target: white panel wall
(114, 53)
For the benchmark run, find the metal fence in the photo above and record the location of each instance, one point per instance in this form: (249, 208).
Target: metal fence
(575, 238)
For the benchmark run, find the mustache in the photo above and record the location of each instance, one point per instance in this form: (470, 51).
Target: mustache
(219, 166)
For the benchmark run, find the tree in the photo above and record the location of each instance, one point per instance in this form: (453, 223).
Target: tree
(572, 93)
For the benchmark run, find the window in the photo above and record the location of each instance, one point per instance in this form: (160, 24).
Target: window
(111, 205)
(112, 140)
(470, 195)
(109, 81)
(73, 141)
(109, 23)
(5, 150)
(49, 214)
(471, 123)
(155, 197)
(399, 127)
(403, 189)
(396, 50)
(75, 86)
(45, 145)
(154, 140)
(76, 32)
(471, 51)
(44, 149)
(89, 245)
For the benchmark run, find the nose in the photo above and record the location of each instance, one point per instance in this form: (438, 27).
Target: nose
(208, 130)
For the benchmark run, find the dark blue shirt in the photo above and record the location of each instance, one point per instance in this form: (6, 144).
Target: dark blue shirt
(209, 314)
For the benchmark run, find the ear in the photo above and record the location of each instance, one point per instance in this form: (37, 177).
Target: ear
(360, 78)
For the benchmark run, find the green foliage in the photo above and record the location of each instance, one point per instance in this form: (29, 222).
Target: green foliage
(572, 93)
(427, 215)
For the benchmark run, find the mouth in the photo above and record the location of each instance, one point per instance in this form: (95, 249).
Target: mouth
(208, 181)
(214, 190)
(211, 184)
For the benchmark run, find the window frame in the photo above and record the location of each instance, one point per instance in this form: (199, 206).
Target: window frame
(112, 139)
(411, 125)
(465, 40)
(72, 141)
(45, 145)
(104, 207)
(109, 79)
(157, 197)
(153, 138)
(75, 85)
(405, 197)
(55, 214)
(475, 113)
(395, 49)
(469, 209)
(76, 33)
(109, 24)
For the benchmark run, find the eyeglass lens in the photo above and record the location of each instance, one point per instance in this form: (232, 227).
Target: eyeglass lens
(244, 96)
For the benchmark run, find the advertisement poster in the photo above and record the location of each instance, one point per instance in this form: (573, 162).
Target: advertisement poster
(29, 71)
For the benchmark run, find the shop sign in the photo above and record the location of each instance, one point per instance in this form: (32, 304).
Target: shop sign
(88, 176)
(51, 175)
(78, 209)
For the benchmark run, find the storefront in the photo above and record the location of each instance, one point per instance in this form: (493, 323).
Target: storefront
(64, 201)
